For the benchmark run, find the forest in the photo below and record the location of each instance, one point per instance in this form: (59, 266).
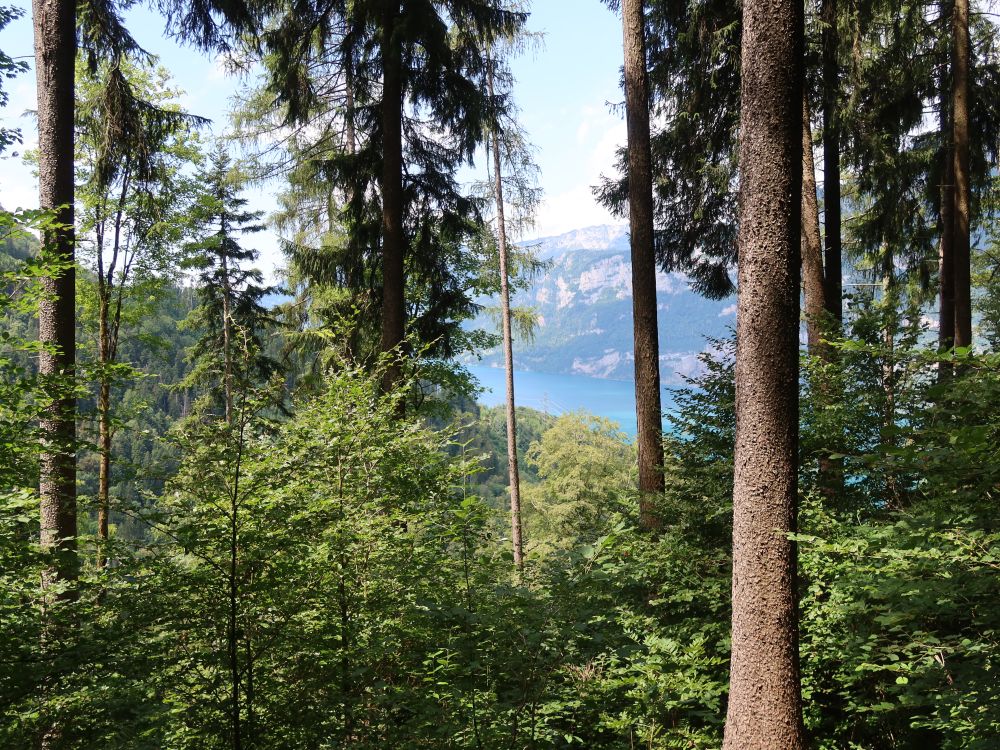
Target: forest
(242, 514)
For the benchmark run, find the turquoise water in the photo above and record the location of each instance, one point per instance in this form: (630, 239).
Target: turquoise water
(558, 394)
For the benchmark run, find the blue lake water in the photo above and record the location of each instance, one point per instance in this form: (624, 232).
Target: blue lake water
(558, 394)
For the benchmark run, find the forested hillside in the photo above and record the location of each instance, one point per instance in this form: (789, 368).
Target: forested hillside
(249, 507)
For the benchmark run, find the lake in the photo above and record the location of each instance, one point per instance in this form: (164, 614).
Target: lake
(558, 394)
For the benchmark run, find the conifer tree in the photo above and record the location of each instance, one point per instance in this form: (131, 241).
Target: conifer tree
(411, 72)
(231, 312)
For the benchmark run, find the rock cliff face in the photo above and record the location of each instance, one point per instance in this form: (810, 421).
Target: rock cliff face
(584, 310)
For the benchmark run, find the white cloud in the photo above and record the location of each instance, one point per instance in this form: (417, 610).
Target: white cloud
(570, 210)
(598, 137)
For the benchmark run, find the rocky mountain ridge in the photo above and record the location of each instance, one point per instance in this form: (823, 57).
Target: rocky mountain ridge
(583, 304)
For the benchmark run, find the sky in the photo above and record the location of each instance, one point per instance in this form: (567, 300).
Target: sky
(565, 91)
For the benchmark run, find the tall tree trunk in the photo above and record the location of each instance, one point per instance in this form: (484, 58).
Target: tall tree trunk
(104, 427)
(831, 162)
(232, 629)
(812, 244)
(644, 322)
(234, 634)
(889, 305)
(393, 241)
(516, 528)
(227, 338)
(354, 277)
(830, 477)
(55, 60)
(960, 140)
(946, 251)
(765, 705)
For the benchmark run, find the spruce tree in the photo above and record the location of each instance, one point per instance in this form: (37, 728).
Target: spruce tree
(231, 351)
(412, 71)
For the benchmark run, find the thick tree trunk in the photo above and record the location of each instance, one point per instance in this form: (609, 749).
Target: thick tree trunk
(765, 707)
(812, 244)
(960, 141)
(55, 60)
(516, 529)
(831, 162)
(640, 199)
(393, 241)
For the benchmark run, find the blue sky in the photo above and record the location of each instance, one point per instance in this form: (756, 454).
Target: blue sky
(563, 89)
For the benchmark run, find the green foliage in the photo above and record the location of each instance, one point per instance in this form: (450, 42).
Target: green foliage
(336, 572)
(586, 473)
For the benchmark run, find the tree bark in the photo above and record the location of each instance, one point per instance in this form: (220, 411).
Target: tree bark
(232, 630)
(227, 336)
(640, 199)
(103, 431)
(765, 706)
(960, 140)
(831, 162)
(55, 59)
(393, 240)
(946, 250)
(890, 300)
(516, 528)
(812, 244)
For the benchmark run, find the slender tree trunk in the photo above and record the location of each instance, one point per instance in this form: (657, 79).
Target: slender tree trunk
(765, 705)
(354, 275)
(232, 628)
(812, 244)
(393, 241)
(346, 685)
(946, 250)
(831, 162)
(233, 635)
(889, 303)
(830, 477)
(516, 529)
(960, 141)
(55, 60)
(104, 428)
(640, 199)
(227, 339)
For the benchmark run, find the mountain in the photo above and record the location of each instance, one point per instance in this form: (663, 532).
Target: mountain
(584, 307)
